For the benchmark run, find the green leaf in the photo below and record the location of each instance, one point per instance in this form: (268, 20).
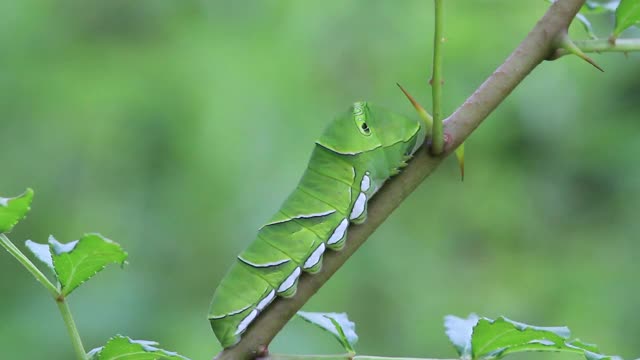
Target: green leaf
(498, 338)
(587, 25)
(627, 14)
(123, 348)
(337, 324)
(77, 261)
(12, 210)
(41, 252)
(598, 7)
(459, 331)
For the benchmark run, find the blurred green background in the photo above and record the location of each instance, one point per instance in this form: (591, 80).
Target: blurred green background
(176, 128)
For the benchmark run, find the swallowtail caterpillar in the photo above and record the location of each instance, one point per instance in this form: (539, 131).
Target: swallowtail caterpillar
(357, 153)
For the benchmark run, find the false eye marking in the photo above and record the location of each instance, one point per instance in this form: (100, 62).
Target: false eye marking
(360, 118)
(358, 206)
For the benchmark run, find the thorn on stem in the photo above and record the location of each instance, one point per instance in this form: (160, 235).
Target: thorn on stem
(566, 43)
(428, 120)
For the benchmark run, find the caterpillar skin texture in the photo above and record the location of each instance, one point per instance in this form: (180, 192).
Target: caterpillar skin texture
(357, 153)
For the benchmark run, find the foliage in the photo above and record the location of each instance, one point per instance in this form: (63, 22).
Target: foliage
(74, 263)
(627, 15)
(176, 127)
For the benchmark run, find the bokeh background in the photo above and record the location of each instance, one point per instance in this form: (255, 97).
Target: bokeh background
(177, 127)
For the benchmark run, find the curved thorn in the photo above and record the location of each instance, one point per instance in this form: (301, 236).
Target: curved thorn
(566, 43)
(428, 120)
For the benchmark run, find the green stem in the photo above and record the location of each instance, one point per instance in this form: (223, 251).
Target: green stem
(437, 145)
(63, 306)
(13, 250)
(600, 46)
(604, 45)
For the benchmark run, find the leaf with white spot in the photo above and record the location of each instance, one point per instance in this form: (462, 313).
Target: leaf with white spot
(121, 348)
(459, 331)
(337, 324)
(627, 15)
(493, 339)
(41, 252)
(12, 210)
(77, 261)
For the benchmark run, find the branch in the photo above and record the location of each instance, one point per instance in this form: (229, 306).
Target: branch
(534, 49)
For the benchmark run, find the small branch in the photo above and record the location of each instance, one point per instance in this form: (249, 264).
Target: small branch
(63, 306)
(40, 277)
(601, 45)
(76, 341)
(534, 49)
(437, 144)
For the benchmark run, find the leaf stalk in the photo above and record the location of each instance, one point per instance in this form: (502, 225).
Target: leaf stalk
(437, 145)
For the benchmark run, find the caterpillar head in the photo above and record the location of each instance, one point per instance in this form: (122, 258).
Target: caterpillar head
(367, 127)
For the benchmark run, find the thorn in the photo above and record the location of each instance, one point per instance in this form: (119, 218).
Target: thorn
(571, 47)
(428, 120)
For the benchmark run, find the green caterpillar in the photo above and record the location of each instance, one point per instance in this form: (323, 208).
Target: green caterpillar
(357, 153)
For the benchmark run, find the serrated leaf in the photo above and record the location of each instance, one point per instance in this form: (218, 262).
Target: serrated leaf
(41, 252)
(77, 261)
(459, 332)
(12, 210)
(627, 14)
(123, 348)
(493, 339)
(337, 324)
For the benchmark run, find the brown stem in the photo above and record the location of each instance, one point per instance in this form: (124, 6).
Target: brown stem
(536, 47)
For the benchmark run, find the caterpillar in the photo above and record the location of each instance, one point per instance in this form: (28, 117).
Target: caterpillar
(356, 154)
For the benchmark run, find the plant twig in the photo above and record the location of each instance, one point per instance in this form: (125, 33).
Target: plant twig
(534, 49)
(437, 144)
(20, 256)
(601, 45)
(63, 306)
(76, 341)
